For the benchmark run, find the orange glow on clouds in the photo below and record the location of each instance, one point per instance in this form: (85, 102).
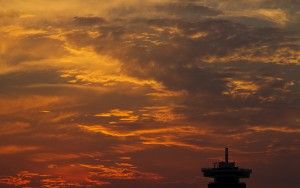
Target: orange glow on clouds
(131, 93)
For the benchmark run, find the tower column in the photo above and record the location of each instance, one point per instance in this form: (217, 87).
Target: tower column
(226, 155)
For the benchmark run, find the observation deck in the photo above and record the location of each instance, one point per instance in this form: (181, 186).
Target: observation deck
(226, 174)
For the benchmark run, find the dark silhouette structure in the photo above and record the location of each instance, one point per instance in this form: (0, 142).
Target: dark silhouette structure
(226, 174)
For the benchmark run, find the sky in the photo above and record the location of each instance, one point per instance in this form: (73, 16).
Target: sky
(143, 94)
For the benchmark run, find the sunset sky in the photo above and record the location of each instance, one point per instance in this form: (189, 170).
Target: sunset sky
(144, 93)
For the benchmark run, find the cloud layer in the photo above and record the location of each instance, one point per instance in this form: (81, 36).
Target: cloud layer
(144, 94)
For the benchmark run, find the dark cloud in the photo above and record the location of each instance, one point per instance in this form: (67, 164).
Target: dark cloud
(21, 79)
(169, 51)
(291, 5)
(187, 9)
(159, 61)
(89, 21)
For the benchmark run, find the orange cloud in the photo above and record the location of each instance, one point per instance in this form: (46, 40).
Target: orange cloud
(241, 88)
(263, 54)
(14, 128)
(186, 130)
(22, 179)
(14, 149)
(275, 129)
(123, 115)
(26, 103)
(120, 171)
(50, 157)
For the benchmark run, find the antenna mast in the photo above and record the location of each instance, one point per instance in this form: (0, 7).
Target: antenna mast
(226, 155)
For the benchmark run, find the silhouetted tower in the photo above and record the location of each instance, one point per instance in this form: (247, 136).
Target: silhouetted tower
(226, 174)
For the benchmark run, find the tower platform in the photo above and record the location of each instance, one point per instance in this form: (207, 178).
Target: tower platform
(226, 174)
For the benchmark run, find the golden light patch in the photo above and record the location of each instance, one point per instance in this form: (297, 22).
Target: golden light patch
(120, 171)
(153, 113)
(173, 141)
(94, 34)
(241, 88)
(169, 143)
(19, 31)
(161, 114)
(85, 66)
(170, 30)
(166, 93)
(45, 111)
(275, 15)
(198, 35)
(183, 130)
(123, 115)
(88, 59)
